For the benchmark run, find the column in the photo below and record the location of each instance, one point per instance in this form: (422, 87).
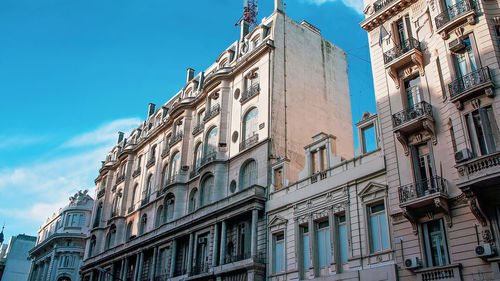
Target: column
(223, 243)
(152, 272)
(113, 268)
(195, 250)
(299, 257)
(141, 262)
(120, 274)
(32, 268)
(312, 245)
(174, 257)
(215, 243)
(45, 269)
(190, 253)
(136, 268)
(333, 237)
(125, 269)
(253, 245)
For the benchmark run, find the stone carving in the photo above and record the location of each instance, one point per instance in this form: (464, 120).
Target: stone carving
(80, 198)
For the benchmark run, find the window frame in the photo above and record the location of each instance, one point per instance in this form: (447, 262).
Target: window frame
(368, 215)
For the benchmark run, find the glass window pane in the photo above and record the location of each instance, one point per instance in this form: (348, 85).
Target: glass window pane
(383, 232)
(305, 250)
(343, 242)
(321, 248)
(374, 234)
(328, 247)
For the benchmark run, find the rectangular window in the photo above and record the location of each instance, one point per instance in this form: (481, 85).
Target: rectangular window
(482, 130)
(279, 253)
(322, 159)
(412, 90)
(306, 257)
(436, 251)
(369, 138)
(314, 166)
(379, 237)
(342, 238)
(324, 247)
(278, 178)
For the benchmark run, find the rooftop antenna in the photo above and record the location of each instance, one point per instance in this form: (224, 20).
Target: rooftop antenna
(250, 11)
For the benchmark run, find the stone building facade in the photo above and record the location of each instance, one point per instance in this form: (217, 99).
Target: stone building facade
(332, 224)
(16, 262)
(58, 253)
(183, 196)
(436, 69)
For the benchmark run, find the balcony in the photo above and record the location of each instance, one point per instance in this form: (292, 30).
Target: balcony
(165, 151)
(383, 10)
(318, 176)
(483, 171)
(100, 193)
(380, 4)
(136, 172)
(408, 52)
(145, 201)
(199, 269)
(214, 110)
(251, 92)
(119, 179)
(175, 139)
(150, 162)
(447, 272)
(470, 85)
(249, 142)
(198, 128)
(210, 157)
(236, 257)
(130, 209)
(172, 179)
(194, 173)
(455, 15)
(414, 119)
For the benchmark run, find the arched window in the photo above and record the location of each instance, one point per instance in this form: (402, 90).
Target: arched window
(192, 200)
(164, 175)
(110, 237)
(198, 154)
(159, 216)
(248, 174)
(92, 245)
(142, 225)
(149, 186)
(98, 212)
(206, 190)
(175, 166)
(211, 141)
(135, 196)
(201, 116)
(169, 206)
(250, 125)
(128, 232)
(152, 155)
(116, 202)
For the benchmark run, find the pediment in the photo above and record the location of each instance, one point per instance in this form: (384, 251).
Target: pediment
(372, 188)
(277, 220)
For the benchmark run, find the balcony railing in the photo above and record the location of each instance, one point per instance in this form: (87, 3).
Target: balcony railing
(236, 257)
(175, 139)
(212, 112)
(252, 91)
(378, 5)
(398, 51)
(209, 157)
(194, 173)
(180, 271)
(453, 12)
(100, 193)
(172, 179)
(469, 81)
(162, 277)
(249, 142)
(480, 166)
(318, 176)
(150, 162)
(420, 109)
(198, 128)
(199, 269)
(130, 209)
(119, 179)
(136, 172)
(421, 188)
(145, 201)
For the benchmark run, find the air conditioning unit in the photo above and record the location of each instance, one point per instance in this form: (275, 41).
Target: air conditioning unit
(413, 263)
(463, 155)
(456, 45)
(484, 250)
(202, 240)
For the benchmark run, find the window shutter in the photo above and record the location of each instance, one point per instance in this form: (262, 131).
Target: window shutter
(488, 133)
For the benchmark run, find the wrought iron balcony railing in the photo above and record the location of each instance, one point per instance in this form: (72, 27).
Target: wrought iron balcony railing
(236, 257)
(398, 51)
(175, 139)
(453, 12)
(150, 162)
(209, 157)
(119, 179)
(420, 109)
(421, 188)
(214, 110)
(145, 200)
(130, 209)
(252, 91)
(136, 172)
(378, 5)
(198, 128)
(194, 172)
(172, 179)
(100, 193)
(249, 142)
(469, 81)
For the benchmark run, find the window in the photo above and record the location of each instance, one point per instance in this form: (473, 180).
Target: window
(164, 175)
(110, 237)
(278, 178)
(483, 131)
(211, 141)
(159, 218)
(306, 256)
(175, 166)
(201, 116)
(278, 253)
(152, 156)
(206, 190)
(465, 61)
(142, 226)
(92, 245)
(324, 247)
(342, 237)
(128, 233)
(436, 252)
(424, 168)
(114, 210)
(149, 186)
(169, 206)
(138, 163)
(369, 138)
(192, 200)
(248, 174)
(198, 154)
(403, 32)
(412, 91)
(134, 195)
(250, 124)
(379, 237)
(97, 219)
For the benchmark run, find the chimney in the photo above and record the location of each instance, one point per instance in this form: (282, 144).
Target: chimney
(190, 74)
(151, 109)
(278, 5)
(120, 137)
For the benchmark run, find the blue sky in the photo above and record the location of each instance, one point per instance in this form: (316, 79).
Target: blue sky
(73, 73)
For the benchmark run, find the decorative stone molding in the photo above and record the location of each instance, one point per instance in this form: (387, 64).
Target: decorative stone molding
(475, 206)
(404, 142)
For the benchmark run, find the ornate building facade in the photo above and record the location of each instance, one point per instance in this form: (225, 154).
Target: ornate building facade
(183, 196)
(332, 223)
(58, 253)
(436, 70)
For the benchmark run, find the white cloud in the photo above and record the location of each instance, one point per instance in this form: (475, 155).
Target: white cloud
(19, 141)
(357, 5)
(33, 191)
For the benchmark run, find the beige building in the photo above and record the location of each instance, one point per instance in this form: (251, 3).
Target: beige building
(59, 249)
(183, 197)
(332, 223)
(435, 69)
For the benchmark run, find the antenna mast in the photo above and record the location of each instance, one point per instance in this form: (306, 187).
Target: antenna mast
(250, 11)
